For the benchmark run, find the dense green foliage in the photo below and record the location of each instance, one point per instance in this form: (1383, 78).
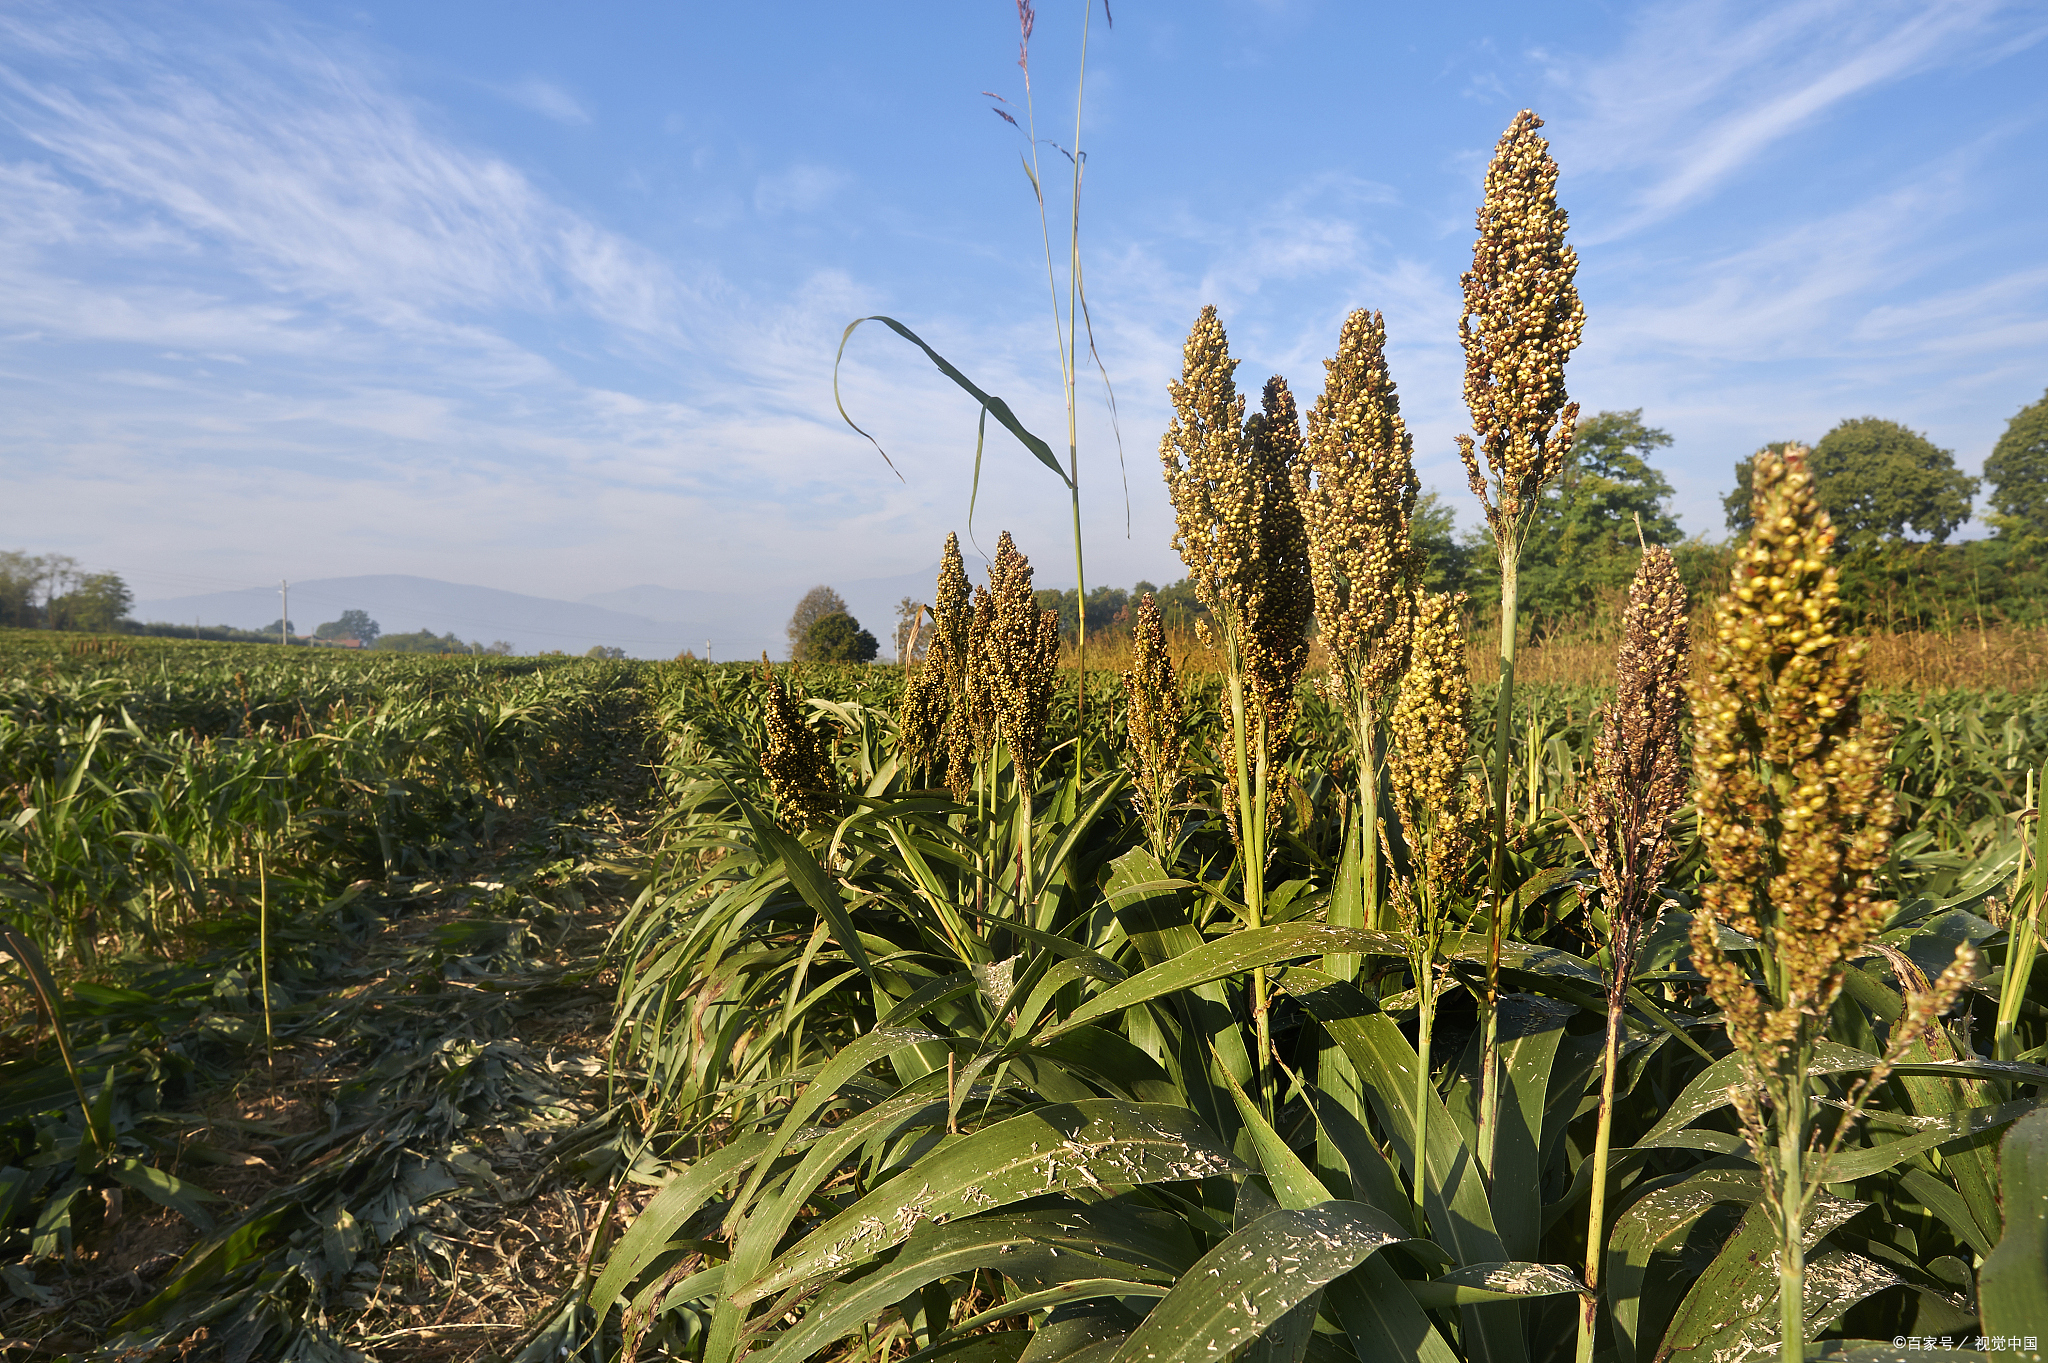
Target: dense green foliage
(1878, 479)
(2017, 470)
(838, 638)
(179, 823)
(960, 1064)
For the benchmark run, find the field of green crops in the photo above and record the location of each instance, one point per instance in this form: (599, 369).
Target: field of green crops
(910, 1072)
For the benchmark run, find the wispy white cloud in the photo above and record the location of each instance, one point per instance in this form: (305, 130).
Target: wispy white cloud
(799, 189)
(1700, 90)
(547, 99)
(312, 175)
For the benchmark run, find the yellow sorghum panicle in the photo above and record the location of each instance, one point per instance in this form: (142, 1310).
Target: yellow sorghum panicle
(1431, 729)
(799, 773)
(1356, 487)
(1154, 721)
(1793, 808)
(1521, 322)
(1638, 773)
(1022, 651)
(1207, 475)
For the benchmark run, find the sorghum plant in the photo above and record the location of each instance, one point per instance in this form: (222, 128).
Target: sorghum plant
(1155, 721)
(1796, 820)
(1240, 533)
(1356, 487)
(1625, 827)
(1520, 323)
(1438, 806)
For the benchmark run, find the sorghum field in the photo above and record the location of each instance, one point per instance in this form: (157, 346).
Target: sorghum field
(1213, 1005)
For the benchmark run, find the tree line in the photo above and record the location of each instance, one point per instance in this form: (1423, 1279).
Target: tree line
(1896, 497)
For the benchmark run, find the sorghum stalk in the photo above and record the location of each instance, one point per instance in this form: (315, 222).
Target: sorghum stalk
(1795, 818)
(1240, 533)
(1520, 323)
(1067, 343)
(1625, 827)
(1356, 487)
(1431, 729)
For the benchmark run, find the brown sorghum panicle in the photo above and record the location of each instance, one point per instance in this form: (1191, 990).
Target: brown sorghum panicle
(1638, 772)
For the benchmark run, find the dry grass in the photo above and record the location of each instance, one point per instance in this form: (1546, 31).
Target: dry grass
(1993, 659)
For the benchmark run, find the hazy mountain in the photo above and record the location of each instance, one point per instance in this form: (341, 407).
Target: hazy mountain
(401, 605)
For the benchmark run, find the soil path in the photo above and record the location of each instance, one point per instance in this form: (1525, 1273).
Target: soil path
(414, 1164)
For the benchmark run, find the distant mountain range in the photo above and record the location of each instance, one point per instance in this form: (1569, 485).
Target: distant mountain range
(735, 627)
(647, 621)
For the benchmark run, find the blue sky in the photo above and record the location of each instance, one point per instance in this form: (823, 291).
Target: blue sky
(545, 297)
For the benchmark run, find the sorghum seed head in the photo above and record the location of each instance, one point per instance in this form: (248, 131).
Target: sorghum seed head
(1522, 320)
(1793, 808)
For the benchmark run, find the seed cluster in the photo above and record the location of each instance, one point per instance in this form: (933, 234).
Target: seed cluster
(1440, 807)
(1016, 649)
(1793, 809)
(1356, 487)
(799, 771)
(989, 671)
(1521, 322)
(934, 722)
(1155, 721)
(1638, 772)
(1239, 529)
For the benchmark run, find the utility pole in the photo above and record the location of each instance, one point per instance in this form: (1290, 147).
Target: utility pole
(284, 622)
(707, 650)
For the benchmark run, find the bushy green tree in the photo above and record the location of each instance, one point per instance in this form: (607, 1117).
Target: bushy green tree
(97, 603)
(2018, 473)
(1447, 560)
(817, 603)
(1108, 607)
(421, 641)
(1876, 479)
(1735, 506)
(353, 624)
(1584, 542)
(838, 638)
(20, 574)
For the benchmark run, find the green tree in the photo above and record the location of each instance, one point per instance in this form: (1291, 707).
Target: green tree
(20, 574)
(838, 638)
(817, 603)
(97, 602)
(1735, 506)
(353, 624)
(2018, 473)
(1433, 530)
(421, 641)
(1584, 541)
(602, 651)
(1876, 478)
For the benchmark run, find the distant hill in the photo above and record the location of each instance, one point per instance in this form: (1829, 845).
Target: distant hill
(531, 624)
